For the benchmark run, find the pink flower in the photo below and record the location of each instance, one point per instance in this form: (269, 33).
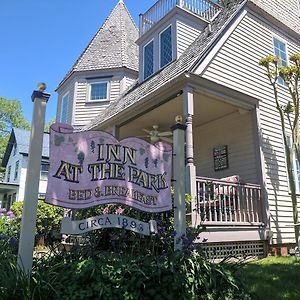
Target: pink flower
(119, 211)
(106, 211)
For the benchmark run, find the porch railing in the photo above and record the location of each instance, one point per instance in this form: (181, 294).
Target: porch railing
(222, 202)
(206, 9)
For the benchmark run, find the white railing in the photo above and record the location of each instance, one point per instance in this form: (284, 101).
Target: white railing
(206, 9)
(224, 202)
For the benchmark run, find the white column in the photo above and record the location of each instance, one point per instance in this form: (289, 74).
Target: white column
(188, 102)
(179, 184)
(116, 132)
(27, 236)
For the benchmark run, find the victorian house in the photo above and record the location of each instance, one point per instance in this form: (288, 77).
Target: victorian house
(200, 59)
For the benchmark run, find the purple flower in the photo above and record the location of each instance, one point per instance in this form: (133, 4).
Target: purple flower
(9, 213)
(119, 211)
(2, 210)
(11, 216)
(2, 214)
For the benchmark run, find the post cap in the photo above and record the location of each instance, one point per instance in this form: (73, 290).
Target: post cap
(40, 95)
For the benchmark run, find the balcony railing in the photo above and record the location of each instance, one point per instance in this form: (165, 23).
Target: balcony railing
(206, 9)
(224, 202)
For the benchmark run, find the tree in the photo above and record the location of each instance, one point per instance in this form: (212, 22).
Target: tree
(289, 117)
(47, 126)
(11, 115)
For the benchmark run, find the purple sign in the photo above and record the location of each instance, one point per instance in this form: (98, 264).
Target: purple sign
(92, 168)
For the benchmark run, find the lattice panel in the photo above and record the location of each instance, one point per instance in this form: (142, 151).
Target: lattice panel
(237, 249)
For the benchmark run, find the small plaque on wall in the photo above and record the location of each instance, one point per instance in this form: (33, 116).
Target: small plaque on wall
(221, 158)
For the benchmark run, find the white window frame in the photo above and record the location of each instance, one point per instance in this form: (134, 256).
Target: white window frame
(61, 117)
(43, 173)
(144, 47)
(8, 173)
(17, 166)
(286, 52)
(99, 81)
(159, 50)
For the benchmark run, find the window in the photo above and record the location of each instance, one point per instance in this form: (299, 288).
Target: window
(16, 170)
(166, 52)
(148, 59)
(15, 149)
(44, 171)
(64, 108)
(280, 51)
(295, 166)
(99, 91)
(8, 173)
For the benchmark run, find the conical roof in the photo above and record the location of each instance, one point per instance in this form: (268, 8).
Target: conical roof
(113, 46)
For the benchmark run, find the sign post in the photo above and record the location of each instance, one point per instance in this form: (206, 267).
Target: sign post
(179, 184)
(40, 99)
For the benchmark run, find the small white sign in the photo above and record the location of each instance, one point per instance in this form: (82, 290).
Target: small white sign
(107, 221)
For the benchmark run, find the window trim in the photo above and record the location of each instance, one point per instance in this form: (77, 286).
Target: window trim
(17, 166)
(67, 94)
(280, 39)
(42, 178)
(97, 81)
(144, 47)
(8, 175)
(159, 47)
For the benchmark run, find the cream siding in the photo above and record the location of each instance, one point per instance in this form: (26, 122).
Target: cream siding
(237, 132)
(186, 34)
(84, 110)
(236, 66)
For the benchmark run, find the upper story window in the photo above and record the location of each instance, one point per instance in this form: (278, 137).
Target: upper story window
(149, 59)
(98, 91)
(8, 173)
(64, 108)
(44, 171)
(16, 170)
(281, 52)
(165, 42)
(15, 149)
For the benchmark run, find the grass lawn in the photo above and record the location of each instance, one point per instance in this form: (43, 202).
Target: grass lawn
(275, 278)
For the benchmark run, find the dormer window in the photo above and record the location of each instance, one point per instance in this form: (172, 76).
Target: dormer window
(149, 59)
(99, 91)
(64, 108)
(165, 42)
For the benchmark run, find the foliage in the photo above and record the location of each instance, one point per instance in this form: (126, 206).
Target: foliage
(272, 278)
(11, 115)
(73, 275)
(48, 218)
(289, 115)
(47, 126)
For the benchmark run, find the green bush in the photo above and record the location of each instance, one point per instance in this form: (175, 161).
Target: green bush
(47, 222)
(175, 275)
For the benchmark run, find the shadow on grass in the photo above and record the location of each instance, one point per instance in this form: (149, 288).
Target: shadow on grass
(273, 278)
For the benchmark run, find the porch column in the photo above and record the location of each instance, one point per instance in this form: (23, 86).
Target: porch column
(188, 102)
(116, 132)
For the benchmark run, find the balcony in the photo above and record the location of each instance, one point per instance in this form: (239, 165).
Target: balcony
(206, 9)
(221, 202)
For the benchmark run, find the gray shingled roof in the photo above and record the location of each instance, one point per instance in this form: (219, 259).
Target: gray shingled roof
(22, 138)
(113, 46)
(176, 68)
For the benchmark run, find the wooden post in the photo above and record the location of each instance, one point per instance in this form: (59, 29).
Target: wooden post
(179, 184)
(27, 235)
(188, 102)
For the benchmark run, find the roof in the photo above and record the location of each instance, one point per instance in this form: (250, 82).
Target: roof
(173, 70)
(22, 138)
(113, 46)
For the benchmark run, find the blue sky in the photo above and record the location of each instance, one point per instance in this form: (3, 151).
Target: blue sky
(41, 39)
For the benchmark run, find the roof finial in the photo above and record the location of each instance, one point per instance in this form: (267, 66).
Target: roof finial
(121, 1)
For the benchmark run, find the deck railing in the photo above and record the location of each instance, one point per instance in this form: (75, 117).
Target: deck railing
(206, 9)
(224, 202)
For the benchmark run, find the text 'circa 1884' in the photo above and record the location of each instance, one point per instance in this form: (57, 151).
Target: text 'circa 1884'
(92, 168)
